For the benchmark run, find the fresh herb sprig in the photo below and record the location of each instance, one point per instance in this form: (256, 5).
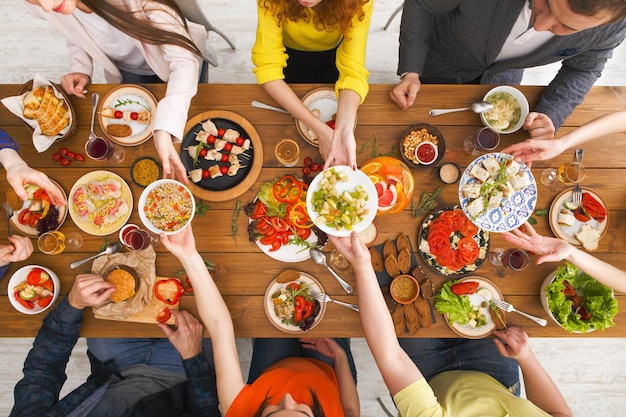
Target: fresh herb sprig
(427, 201)
(201, 208)
(234, 227)
(122, 102)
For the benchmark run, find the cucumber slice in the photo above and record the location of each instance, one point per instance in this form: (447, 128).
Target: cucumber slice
(485, 293)
(570, 205)
(28, 293)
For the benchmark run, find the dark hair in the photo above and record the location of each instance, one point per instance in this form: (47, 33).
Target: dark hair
(136, 26)
(328, 13)
(616, 9)
(315, 405)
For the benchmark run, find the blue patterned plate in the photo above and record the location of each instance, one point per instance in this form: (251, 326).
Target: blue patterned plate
(512, 211)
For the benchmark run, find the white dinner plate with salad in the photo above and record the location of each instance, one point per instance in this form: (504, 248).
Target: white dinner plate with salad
(512, 211)
(354, 180)
(566, 232)
(479, 301)
(25, 229)
(287, 325)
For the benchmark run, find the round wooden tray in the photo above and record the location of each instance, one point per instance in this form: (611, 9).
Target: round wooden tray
(255, 166)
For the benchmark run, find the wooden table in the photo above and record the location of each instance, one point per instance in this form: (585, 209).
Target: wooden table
(244, 271)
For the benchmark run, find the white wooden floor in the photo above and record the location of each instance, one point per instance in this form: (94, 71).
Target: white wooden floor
(590, 372)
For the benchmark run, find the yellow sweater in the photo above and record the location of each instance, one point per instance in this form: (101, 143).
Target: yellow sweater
(269, 57)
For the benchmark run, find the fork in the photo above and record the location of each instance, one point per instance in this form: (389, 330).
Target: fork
(324, 298)
(577, 194)
(508, 307)
(9, 211)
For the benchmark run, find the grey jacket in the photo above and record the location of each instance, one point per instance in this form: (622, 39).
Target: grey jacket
(457, 41)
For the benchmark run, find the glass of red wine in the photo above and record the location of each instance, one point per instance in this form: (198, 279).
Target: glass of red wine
(101, 149)
(513, 259)
(483, 140)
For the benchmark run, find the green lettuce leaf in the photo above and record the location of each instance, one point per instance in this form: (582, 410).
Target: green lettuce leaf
(458, 308)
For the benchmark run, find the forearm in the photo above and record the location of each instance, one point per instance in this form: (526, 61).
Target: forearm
(601, 271)
(348, 393)
(602, 126)
(347, 108)
(284, 95)
(541, 390)
(9, 158)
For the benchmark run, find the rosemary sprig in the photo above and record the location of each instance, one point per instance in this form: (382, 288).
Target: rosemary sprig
(233, 227)
(119, 102)
(365, 145)
(427, 202)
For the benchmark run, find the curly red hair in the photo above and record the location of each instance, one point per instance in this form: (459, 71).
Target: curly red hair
(328, 13)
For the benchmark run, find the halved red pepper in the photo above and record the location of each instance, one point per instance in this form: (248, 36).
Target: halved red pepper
(259, 210)
(168, 290)
(464, 288)
(287, 190)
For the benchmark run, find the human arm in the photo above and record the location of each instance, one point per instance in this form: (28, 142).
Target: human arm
(540, 389)
(539, 126)
(347, 389)
(44, 368)
(75, 83)
(553, 250)
(18, 249)
(342, 147)
(396, 367)
(539, 150)
(214, 314)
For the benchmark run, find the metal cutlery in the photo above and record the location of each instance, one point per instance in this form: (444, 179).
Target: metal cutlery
(478, 107)
(260, 105)
(503, 305)
(325, 298)
(9, 210)
(110, 249)
(320, 259)
(577, 194)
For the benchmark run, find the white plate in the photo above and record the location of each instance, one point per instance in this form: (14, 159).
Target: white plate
(31, 231)
(269, 307)
(567, 232)
(470, 332)
(289, 253)
(354, 178)
(129, 97)
(142, 202)
(513, 211)
(19, 276)
(325, 100)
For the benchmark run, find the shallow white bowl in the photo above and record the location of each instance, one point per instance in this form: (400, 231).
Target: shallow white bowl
(19, 276)
(517, 95)
(142, 203)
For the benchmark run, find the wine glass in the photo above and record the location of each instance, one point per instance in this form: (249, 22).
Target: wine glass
(495, 256)
(548, 177)
(73, 241)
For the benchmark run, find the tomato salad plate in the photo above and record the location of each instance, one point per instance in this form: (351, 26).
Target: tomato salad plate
(222, 153)
(131, 107)
(279, 223)
(497, 193)
(450, 244)
(33, 288)
(291, 306)
(566, 220)
(341, 200)
(37, 215)
(465, 305)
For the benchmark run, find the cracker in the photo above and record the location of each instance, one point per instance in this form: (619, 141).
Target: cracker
(423, 311)
(399, 322)
(412, 318)
(402, 242)
(404, 260)
(389, 249)
(377, 260)
(391, 266)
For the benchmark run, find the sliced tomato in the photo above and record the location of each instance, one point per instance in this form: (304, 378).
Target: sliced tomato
(279, 224)
(164, 315)
(41, 194)
(276, 243)
(308, 309)
(44, 301)
(581, 216)
(568, 290)
(49, 285)
(34, 219)
(438, 244)
(264, 226)
(269, 239)
(456, 263)
(440, 224)
(24, 216)
(445, 256)
(303, 233)
(469, 229)
(259, 210)
(468, 250)
(25, 303)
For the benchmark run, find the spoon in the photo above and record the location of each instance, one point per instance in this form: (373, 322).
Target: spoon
(320, 259)
(94, 106)
(260, 105)
(478, 107)
(110, 249)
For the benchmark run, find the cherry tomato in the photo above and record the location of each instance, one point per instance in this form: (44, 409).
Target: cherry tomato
(224, 169)
(56, 156)
(63, 151)
(220, 132)
(308, 161)
(205, 174)
(210, 139)
(306, 170)
(164, 315)
(331, 124)
(464, 288)
(65, 162)
(315, 167)
(79, 157)
(202, 153)
(240, 141)
(224, 158)
(134, 115)
(188, 288)
(228, 147)
(70, 154)
(118, 114)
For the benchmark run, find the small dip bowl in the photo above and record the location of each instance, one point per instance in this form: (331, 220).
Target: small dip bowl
(369, 234)
(449, 173)
(145, 170)
(413, 137)
(426, 153)
(404, 289)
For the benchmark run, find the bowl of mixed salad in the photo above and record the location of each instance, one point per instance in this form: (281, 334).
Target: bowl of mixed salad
(577, 302)
(33, 289)
(290, 304)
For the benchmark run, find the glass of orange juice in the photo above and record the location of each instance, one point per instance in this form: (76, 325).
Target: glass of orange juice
(287, 152)
(51, 243)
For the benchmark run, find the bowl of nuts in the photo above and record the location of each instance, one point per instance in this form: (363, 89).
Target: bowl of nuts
(413, 137)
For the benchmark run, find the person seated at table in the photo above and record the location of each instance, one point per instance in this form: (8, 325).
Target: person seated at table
(540, 150)
(473, 41)
(18, 175)
(554, 250)
(130, 377)
(316, 41)
(285, 379)
(135, 42)
(476, 377)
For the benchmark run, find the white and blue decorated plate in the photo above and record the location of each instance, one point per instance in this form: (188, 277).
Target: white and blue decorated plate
(513, 211)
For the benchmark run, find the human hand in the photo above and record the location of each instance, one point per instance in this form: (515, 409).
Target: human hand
(516, 347)
(535, 150)
(187, 338)
(342, 149)
(326, 346)
(353, 248)
(75, 83)
(180, 244)
(405, 92)
(20, 248)
(89, 290)
(170, 160)
(551, 249)
(539, 126)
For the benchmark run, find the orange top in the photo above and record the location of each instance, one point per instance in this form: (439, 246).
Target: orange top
(294, 376)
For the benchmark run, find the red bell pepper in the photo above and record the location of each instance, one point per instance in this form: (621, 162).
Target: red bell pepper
(168, 290)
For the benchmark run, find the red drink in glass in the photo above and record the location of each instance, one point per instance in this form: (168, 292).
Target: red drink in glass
(515, 259)
(486, 139)
(99, 149)
(137, 239)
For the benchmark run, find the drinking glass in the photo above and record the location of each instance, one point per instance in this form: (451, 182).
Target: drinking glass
(101, 149)
(548, 176)
(137, 239)
(287, 152)
(483, 140)
(339, 261)
(571, 173)
(513, 259)
(73, 241)
(52, 242)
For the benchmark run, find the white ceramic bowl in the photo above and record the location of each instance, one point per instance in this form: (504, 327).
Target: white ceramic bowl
(142, 202)
(19, 276)
(521, 99)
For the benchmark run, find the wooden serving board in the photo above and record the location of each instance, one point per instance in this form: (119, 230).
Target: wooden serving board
(149, 313)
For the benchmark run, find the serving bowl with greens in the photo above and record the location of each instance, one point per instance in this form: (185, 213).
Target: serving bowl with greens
(577, 302)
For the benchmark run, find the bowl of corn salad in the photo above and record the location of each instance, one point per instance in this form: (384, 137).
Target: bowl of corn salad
(166, 206)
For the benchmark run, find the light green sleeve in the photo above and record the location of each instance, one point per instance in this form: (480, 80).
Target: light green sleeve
(418, 400)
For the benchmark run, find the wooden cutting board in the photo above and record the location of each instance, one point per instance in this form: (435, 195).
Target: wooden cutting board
(149, 313)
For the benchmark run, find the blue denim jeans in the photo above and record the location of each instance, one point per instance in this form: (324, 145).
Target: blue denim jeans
(159, 353)
(269, 351)
(433, 356)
